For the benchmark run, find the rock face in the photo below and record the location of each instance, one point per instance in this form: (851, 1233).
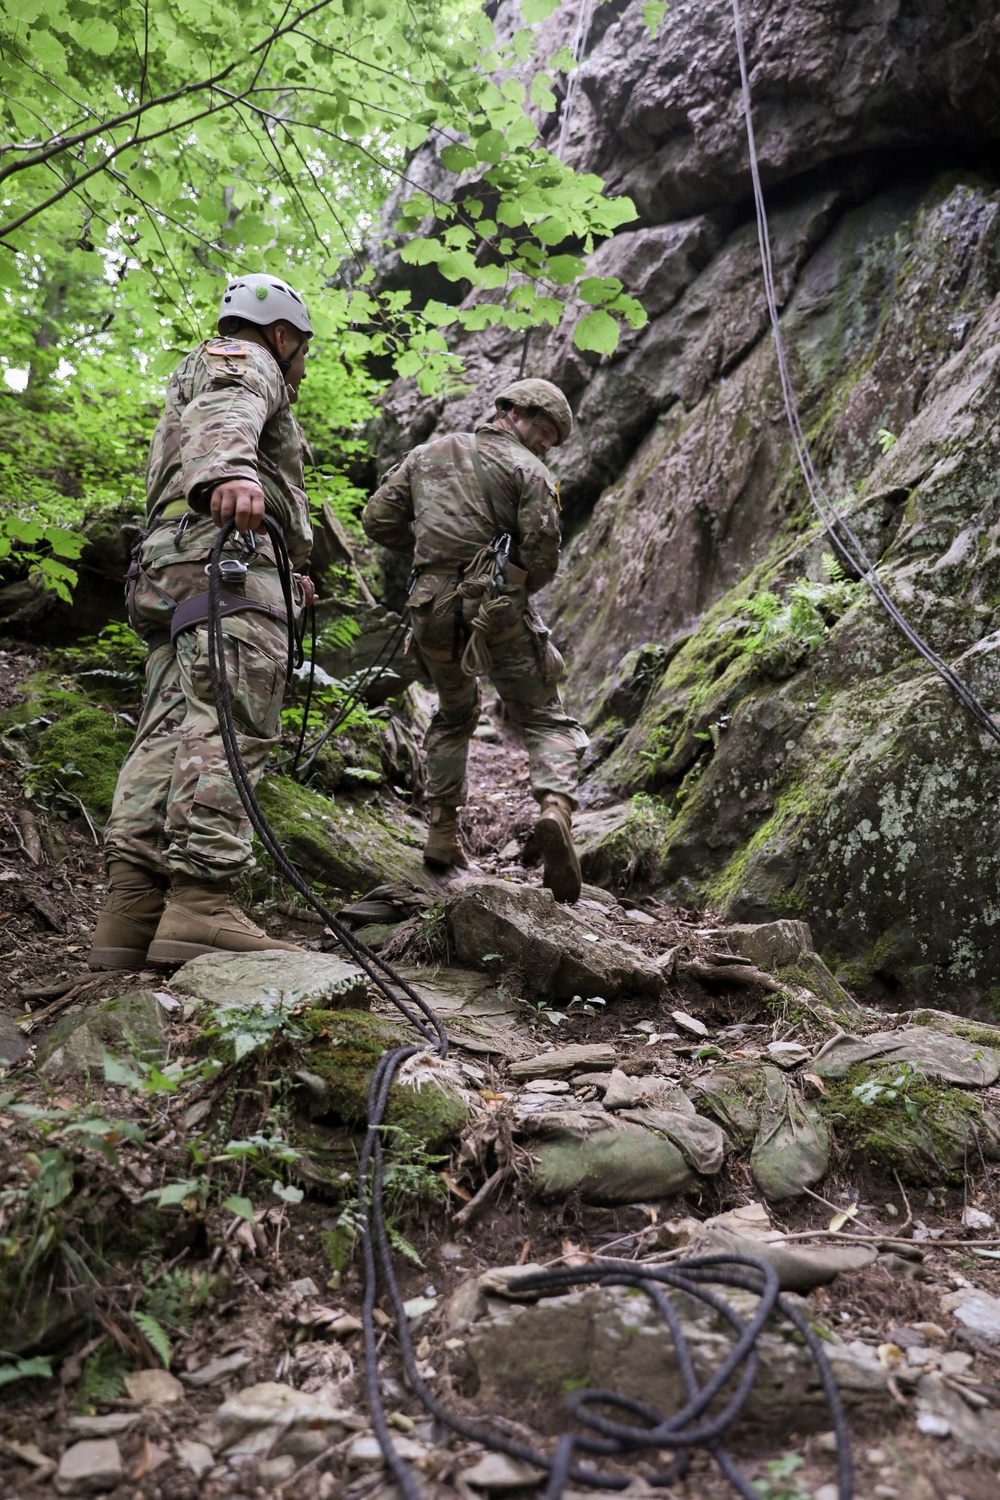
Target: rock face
(828, 776)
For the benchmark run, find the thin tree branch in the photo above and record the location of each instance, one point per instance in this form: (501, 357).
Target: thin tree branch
(58, 144)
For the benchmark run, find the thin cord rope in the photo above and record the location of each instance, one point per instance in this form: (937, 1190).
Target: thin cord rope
(839, 531)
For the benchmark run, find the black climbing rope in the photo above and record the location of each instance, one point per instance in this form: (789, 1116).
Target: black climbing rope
(635, 1426)
(364, 681)
(839, 531)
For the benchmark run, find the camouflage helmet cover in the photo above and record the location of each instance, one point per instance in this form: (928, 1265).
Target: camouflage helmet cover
(539, 395)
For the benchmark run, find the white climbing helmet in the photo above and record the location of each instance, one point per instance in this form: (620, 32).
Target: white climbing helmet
(262, 300)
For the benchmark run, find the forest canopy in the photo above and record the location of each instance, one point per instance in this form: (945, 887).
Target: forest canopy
(150, 151)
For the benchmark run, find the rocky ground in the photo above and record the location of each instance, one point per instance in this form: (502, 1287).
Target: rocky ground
(627, 1080)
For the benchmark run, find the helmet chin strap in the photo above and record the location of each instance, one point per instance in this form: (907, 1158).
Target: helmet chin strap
(284, 365)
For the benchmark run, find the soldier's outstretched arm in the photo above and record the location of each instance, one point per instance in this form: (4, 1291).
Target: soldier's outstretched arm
(388, 516)
(220, 435)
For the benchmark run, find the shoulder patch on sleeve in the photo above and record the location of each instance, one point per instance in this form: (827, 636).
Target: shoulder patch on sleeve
(228, 348)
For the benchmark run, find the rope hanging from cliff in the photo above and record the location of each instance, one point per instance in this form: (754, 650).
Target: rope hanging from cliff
(711, 1407)
(839, 531)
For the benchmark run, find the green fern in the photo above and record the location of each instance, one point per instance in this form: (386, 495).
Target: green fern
(103, 1378)
(155, 1336)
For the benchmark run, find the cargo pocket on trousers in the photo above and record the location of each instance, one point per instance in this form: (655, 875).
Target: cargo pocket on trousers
(550, 660)
(256, 683)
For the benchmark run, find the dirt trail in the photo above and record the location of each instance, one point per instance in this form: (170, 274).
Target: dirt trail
(250, 1301)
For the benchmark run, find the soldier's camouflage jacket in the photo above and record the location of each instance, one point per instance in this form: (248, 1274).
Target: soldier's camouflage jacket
(227, 416)
(433, 503)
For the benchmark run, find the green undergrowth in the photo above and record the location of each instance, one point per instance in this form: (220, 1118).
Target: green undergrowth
(66, 744)
(925, 1131)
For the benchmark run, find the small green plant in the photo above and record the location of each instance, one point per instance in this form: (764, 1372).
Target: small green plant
(874, 1090)
(804, 617)
(540, 1009)
(886, 439)
(103, 1377)
(578, 1005)
(12, 1369)
(779, 1482)
(243, 1029)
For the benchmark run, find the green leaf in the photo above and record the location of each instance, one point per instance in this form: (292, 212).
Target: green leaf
(286, 1192)
(562, 269)
(597, 333)
(245, 1042)
(421, 252)
(534, 11)
(542, 96)
(458, 265)
(115, 1071)
(551, 231)
(50, 52)
(95, 35)
(458, 158)
(599, 289)
(653, 12)
(38, 1368)
(175, 1192)
(154, 1335)
(490, 146)
(242, 1207)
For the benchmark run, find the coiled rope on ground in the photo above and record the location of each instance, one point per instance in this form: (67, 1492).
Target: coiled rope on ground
(636, 1427)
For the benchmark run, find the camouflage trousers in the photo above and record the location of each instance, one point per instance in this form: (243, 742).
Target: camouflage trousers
(176, 807)
(525, 670)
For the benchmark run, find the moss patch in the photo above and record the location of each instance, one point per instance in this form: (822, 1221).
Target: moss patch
(926, 1133)
(348, 1047)
(85, 749)
(347, 847)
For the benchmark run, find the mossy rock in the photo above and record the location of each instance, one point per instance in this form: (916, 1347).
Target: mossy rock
(927, 1132)
(337, 1069)
(733, 1098)
(84, 748)
(347, 847)
(809, 972)
(126, 1026)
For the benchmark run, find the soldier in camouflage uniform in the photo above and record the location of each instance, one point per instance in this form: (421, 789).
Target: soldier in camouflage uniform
(227, 447)
(458, 503)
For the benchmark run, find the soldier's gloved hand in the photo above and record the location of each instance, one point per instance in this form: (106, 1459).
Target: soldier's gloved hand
(239, 500)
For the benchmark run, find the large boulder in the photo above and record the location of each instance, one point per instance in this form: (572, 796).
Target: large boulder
(615, 1339)
(552, 948)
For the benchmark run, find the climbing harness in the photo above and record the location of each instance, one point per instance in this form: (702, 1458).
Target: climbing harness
(711, 1407)
(837, 528)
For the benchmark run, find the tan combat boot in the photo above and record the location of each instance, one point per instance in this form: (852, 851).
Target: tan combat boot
(202, 917)
(554, 839)
(443, 846)
(128, 919)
